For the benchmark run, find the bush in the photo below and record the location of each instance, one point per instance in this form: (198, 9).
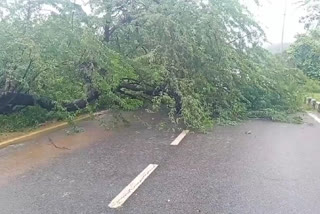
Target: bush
(27, 118)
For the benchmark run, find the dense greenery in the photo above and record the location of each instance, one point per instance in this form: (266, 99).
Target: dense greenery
(25, 119)
(199, 60)
(305, 52)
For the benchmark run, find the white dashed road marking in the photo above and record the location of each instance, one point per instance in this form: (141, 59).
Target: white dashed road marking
(179, 138)
(133, 186)
(315, 117)
(121, 198)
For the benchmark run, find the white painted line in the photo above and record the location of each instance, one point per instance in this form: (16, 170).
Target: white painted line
(315, 117)
(133, 186)
(179, 138)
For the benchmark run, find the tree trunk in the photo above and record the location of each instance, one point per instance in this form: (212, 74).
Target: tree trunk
(107, 33)
(9, 100)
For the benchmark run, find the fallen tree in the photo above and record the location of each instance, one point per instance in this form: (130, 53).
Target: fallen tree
(10, 102)
(202, 61)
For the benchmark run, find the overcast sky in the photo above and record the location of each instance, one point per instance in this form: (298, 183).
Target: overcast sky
(270, 16)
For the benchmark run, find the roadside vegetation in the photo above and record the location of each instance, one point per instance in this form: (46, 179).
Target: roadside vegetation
(304, 54)
(200, 61)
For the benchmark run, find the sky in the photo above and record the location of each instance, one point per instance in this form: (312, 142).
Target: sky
(270, 17)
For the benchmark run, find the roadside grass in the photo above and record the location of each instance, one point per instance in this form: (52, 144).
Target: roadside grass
(34, 119)
(27, 119)
(314, 96)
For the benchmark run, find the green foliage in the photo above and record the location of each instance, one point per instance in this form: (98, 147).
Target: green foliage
(305, 53)
(200, 60)
(278, 116)
(276, 86)
(27, 118)
(194, 114)
(312, 88)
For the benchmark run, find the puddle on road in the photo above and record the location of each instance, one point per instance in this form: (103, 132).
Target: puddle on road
(36, 154)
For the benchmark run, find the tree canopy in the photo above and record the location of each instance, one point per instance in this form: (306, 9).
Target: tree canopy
(312, 18)
(200, 60)
(305, 52)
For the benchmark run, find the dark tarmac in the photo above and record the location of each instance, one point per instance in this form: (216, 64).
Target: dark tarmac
(255, 167)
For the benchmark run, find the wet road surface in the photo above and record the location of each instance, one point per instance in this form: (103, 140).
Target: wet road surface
(254, 167)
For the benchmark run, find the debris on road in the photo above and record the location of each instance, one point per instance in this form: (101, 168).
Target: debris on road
(248, 132)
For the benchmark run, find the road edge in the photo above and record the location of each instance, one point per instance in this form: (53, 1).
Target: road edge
(36, 133)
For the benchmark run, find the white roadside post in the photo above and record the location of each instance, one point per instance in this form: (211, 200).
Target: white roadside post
(318, 106)
(313, 103)
(306, 100)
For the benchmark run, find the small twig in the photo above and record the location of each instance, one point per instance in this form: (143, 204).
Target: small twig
(57, 147)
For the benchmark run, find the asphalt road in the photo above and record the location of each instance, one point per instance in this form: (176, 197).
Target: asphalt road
(254, 167)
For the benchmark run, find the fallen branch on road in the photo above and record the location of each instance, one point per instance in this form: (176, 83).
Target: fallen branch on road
(57, 147)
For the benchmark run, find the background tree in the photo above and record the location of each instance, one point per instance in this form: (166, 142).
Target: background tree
(305, 52)
(312, 19)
